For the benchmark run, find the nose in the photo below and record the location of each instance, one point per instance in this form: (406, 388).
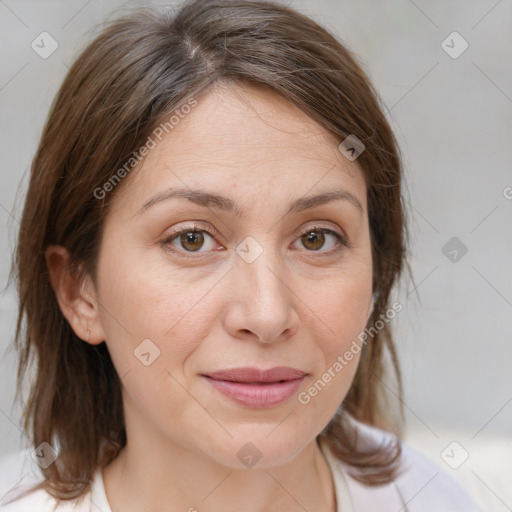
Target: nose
(262, 304)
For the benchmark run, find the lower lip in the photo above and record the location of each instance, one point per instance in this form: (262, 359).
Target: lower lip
(257, 395)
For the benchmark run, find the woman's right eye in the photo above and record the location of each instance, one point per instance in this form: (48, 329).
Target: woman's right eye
(191, 241)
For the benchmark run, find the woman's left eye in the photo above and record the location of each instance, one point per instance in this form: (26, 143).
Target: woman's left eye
(316, 238)
(193, 240)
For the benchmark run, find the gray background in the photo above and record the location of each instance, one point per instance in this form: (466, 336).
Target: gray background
(453, 120)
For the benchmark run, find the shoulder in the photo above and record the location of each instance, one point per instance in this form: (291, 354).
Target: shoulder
(421, 486)
(424, 485)
(19, 474)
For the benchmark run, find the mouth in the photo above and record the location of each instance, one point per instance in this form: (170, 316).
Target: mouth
(255, 375)
(257, 388)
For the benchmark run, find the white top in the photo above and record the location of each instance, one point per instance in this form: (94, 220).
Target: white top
(422, 487)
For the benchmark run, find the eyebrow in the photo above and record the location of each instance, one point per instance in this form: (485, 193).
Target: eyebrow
(220, 202)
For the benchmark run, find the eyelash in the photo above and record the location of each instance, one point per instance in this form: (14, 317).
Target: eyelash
(342, 242)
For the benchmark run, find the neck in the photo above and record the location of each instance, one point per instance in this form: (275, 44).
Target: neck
(175, 478)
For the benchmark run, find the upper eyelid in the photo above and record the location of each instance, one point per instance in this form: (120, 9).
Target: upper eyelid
(213, 232)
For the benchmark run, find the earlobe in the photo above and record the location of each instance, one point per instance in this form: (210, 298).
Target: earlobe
(78, 307)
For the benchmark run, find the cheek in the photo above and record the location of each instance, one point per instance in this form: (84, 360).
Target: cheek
(140, 301)
(338, 316)
(341, 303)
(341, 308)
(175, 314)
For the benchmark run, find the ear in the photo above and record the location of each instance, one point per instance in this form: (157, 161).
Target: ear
(76, 297)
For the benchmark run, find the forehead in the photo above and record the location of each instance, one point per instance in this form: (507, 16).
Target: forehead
(249, 140)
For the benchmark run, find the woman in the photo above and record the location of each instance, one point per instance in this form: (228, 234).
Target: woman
(210, 237)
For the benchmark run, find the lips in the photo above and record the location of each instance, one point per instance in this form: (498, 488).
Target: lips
(254, 375)
(257, 388)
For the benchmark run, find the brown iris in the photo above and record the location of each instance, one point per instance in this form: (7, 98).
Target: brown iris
(192, 240)
(315, 238)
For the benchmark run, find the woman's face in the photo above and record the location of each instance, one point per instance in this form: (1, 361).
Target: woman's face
(265, 281)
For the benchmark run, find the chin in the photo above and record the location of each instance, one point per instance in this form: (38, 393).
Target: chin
(255, 448)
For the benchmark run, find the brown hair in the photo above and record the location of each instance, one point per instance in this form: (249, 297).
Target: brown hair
(135, 73)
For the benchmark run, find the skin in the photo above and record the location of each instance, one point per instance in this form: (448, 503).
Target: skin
(298, 304)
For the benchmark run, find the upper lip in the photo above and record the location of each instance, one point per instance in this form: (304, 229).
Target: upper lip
(276, 374)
